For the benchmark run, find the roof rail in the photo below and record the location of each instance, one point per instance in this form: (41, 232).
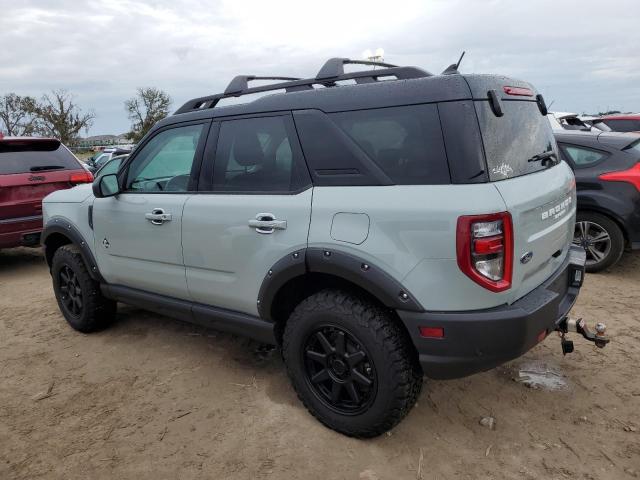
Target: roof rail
(241, 83)
(329, 75)
(334, 67)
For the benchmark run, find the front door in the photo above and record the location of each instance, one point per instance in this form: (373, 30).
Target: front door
(138, 232)
(253, 210)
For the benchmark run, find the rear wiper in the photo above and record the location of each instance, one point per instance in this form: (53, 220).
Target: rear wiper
(40, 168)
(543, 157)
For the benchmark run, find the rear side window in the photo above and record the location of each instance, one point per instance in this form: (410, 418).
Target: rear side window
(512, 141)
(405, 142)
(622, 125)
(258, 155)
(583, 157)
(35, 156)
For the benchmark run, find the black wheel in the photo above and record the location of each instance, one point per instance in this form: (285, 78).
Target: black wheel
(351, 365)
(601, 238)
(78, 295)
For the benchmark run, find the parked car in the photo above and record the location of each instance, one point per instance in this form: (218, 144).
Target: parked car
(426, 229)
(607, 170)
(31, 168)
(110, 166)
(94, 163)
(622, 122)
(567, 121)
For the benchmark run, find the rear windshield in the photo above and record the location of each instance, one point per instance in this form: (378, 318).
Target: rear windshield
(623, 125)
(27, 157)
(513, 141)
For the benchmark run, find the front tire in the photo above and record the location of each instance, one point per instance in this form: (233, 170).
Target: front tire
(78, 295)
(350, 363)
(601, 238)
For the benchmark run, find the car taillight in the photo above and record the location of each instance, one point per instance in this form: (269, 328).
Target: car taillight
(631, 175)
(80, 177)
(484, 247)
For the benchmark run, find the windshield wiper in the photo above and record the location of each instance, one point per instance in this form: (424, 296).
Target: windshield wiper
(543, 156)
(40, 168)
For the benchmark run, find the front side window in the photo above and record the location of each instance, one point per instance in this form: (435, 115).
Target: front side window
(256, 155)
(583, 157)
(405, 142)
(164, 163)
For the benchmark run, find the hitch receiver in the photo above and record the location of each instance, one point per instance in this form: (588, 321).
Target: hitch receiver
(599, 338)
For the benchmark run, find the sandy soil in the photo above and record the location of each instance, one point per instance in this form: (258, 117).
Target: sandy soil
(155, 398)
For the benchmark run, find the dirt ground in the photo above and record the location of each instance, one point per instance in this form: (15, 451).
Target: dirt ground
(153, 398)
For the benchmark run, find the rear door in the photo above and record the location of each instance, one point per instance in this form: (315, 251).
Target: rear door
(133, 247)
(30, 169)
(538, 190)
(253, 208)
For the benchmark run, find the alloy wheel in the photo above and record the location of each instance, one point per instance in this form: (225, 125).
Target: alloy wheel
(339, 370)
(70, 291)
(594, 239)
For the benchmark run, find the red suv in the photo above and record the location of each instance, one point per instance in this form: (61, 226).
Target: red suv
(30, 169)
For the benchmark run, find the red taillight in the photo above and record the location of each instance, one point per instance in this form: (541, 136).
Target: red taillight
(631, 175)
(432, 332)
(80, 177)
(518, 91)
(484, 247)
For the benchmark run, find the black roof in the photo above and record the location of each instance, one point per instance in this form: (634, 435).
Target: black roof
(328, 91)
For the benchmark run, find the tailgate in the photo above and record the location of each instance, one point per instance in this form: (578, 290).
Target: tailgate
(543, 208)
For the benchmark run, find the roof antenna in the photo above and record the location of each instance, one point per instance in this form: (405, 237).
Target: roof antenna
(453, 68)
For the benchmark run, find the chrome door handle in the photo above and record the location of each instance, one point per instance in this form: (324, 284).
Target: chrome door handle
(267, 223)
(157, 216)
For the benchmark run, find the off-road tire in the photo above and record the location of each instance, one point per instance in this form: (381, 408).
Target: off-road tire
(615, 234)
(390, 352)
(96, 311)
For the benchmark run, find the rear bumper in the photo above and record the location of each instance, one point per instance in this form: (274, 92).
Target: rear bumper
(479, 340)
(24, 231)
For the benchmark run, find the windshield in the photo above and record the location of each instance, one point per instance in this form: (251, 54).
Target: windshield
(110, 167)
(518, 143)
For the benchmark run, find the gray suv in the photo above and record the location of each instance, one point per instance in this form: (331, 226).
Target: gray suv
(377, 226)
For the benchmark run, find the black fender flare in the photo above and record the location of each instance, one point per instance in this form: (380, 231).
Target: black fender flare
(62, 226)
(374, 280)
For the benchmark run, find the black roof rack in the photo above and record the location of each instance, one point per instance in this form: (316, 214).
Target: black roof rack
(329, 75)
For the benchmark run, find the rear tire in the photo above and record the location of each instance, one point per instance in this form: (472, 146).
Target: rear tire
(602, 239)
(79, 297)
(351, 364)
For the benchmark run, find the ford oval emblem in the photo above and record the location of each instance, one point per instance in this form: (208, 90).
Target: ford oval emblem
(526, 258)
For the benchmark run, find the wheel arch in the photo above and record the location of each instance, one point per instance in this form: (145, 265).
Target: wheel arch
(59, 232)
(307, 271)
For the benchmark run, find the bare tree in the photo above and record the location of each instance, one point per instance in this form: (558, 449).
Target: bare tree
(17, 115)
(58, 116)
(148, 106)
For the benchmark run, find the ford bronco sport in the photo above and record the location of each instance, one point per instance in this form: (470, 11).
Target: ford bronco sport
(376, 225)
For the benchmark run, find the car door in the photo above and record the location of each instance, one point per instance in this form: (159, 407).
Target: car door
(138, 232)
(253, 208)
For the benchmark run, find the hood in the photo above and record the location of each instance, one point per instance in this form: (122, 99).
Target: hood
(77, 194)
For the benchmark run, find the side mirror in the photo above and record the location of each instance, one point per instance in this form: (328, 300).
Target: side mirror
(106, 186)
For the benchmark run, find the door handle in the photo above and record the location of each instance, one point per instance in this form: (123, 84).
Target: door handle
(267, 223)
(157, 216)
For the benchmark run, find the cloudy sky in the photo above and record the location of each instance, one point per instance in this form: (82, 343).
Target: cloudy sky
(582, 55)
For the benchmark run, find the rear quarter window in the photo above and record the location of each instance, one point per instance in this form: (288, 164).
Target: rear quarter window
(583, 156)
(33, 156)
(405, 142)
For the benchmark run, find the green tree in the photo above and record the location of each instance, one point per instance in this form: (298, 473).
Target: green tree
(148, 106)
(17, 115)
(57, 115)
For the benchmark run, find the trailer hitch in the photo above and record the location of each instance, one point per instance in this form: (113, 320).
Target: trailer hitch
(599, 338)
